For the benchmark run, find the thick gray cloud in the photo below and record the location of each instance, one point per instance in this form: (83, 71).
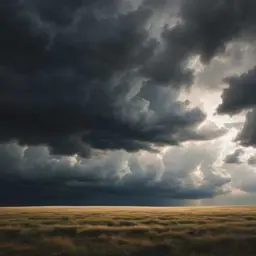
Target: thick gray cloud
(238, 58)
(212, 24)
(30, 175)
(73, 81)
(207, 29)
(247, 136)
(204, 28)
(240, 93)
(80, 74)
(76, 76)
(240, 96)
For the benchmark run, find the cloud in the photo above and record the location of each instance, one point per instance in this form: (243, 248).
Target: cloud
(100, 78)
(252, 160)
(75, 81)
(240, 93)
(247, 136)
(244, 178)
(238, 97)
(213, 24)
(117, 178)
(238, 58)
(234, 158)
(203, 28)
(84, 72)
(236, 125)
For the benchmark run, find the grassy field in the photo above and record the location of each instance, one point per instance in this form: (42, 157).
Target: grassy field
(128, 231)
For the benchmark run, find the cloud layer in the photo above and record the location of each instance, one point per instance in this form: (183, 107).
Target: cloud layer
(74, 81)
(30, 175)
(81, 78)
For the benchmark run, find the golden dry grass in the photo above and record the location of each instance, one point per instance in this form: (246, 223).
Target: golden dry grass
(128, 231)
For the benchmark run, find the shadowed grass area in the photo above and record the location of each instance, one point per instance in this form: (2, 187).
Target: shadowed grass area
(128, 231)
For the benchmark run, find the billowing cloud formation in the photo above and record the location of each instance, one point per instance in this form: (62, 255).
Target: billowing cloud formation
(244, 178)
(30, 175)
(240, 94)
(247, 136)
(81, 76)
(212, 24)
(204, 28)
(83, 72)
(239, 57)
(75, 78)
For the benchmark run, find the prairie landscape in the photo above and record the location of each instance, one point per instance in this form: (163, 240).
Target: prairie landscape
(96, 231)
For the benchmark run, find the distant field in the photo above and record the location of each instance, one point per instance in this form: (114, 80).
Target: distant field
(128, 231)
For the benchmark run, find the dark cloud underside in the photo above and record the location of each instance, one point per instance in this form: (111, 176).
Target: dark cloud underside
(34, 177)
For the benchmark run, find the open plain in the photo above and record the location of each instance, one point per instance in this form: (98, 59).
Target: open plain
(110, 231)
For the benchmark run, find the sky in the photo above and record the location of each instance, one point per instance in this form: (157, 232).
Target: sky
(128, 102)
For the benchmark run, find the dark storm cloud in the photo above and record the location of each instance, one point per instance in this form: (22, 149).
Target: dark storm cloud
(22, 192)
(204, 28)
(234, 158)
(68, 72)
(240, 94)
(212, 24)
(32, 176)
(74, 75)
(247, 136)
